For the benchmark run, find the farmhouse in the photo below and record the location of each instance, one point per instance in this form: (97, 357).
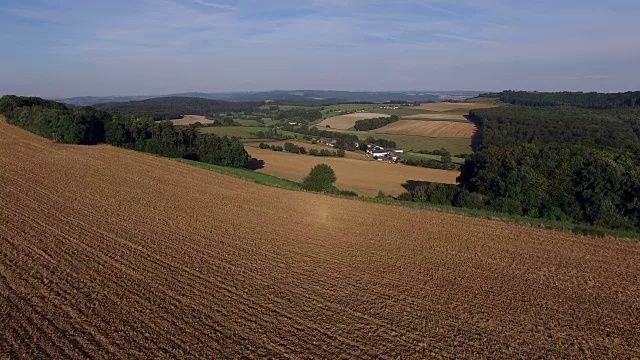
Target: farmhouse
(328, 141)
(379, 153)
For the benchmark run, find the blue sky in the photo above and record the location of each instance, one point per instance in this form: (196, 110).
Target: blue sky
(127, 47)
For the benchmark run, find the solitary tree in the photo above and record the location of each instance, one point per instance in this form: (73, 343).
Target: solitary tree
(321, 178)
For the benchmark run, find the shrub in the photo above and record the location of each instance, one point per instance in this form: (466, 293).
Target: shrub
(370, 124)
(290, 147)
(264, 146)
(469, 200)
(340, 153)
(434, 193)
(348, 193)
(321, 178)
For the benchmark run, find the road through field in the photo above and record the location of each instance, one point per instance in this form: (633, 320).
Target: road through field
(108, 253)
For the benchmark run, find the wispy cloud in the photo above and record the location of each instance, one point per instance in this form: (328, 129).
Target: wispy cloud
(214, 5)
(156, 46)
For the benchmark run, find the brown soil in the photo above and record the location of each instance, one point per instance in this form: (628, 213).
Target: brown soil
(110, 253)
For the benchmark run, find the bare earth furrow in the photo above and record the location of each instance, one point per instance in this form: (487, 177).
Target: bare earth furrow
(110, 253)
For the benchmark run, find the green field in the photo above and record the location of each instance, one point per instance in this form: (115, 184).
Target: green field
(238, 131)
(256, 177)
(243, 132)
(427, 119)
(409, 155)
(245, 122)
(415, 143)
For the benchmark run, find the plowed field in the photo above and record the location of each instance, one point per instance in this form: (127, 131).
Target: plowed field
(450, 129)
(344, 122)
(108, 253)
(446, 106)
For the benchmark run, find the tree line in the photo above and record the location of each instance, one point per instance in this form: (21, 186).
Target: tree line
(344, 141)
(554, 162)
(591, 100)
(300, 115)
(375, 123)
(167, 108)
(87, 125)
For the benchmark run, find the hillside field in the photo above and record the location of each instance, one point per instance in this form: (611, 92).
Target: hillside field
(344, 122)
(365, 177)
(437, 117)
(192, 119)
(444, 129)
(111, 253)
(417, 142)
(308, 146)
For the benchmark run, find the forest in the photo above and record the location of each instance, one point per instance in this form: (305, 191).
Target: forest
(167, 108)
(591, 100)
(371, 124)
(301, 115)
(616, 129)
(575, 164)
(87, 125)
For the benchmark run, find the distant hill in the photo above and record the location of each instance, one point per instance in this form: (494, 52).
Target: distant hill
(308, 97)
(93, 100)
(333, 96)
(173, 107)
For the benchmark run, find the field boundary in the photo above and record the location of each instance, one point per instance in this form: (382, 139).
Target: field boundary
(565, 227)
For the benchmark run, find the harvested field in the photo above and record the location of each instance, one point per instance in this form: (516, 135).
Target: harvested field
(110, 253)
(365, 177)
(192, 119)
(449, 129)
(446, 106)
(348, 154)
(437, 117)
(344, 122)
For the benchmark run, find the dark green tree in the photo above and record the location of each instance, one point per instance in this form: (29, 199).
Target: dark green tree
(321, 178)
